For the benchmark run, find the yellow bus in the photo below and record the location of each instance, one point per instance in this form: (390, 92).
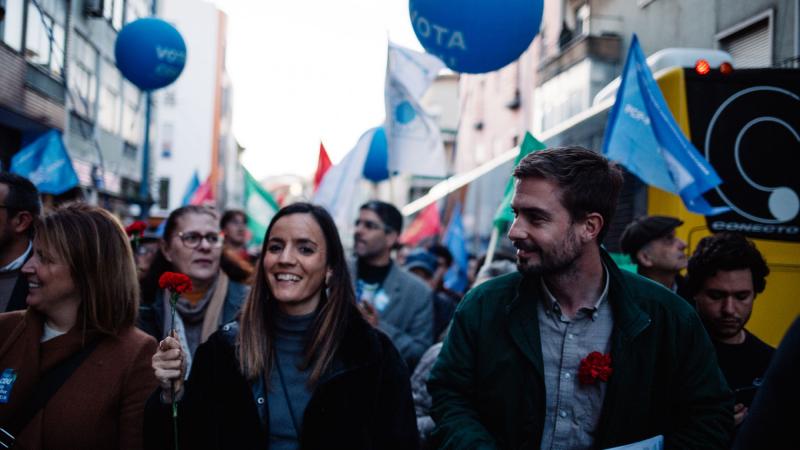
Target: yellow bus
(747, 125)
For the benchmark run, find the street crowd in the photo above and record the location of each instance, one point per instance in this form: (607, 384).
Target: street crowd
(307, 346)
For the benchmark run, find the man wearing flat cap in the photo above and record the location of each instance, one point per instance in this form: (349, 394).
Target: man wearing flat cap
(658, 253)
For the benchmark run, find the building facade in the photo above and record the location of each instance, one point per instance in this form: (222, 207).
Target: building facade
(194, 133)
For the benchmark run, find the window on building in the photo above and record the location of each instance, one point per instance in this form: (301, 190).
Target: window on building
(114, 12)
(45, 36)
(750, 43)
(83, 77)
(167, 136)
(163, 193)
(11, 26)
(109, 101)
(132, 118)
(169, 98)
(136, 9)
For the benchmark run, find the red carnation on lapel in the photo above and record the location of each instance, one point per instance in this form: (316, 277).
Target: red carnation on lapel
(596, 366)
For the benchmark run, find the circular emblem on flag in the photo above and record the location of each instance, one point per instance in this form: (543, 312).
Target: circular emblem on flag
(404, 113)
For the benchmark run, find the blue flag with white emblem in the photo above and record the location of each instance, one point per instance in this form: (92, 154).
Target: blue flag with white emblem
(413, 137)
(46, 163)
(455, 278)
(643, 136)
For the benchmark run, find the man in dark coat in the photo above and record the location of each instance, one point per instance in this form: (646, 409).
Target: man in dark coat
(19, 208)
(571, 352)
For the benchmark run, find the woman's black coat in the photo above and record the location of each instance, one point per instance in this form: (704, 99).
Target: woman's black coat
(363, 402)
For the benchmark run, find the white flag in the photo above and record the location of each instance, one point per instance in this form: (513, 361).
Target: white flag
(415, 143)
(339, 190)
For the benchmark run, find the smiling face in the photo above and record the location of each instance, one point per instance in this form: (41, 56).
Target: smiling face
(546, 237)
(201, 263)
(51, 288)
(295, 263)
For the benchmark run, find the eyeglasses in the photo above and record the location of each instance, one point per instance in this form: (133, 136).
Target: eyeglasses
(192, 239)
(370, 225)
(143, 250)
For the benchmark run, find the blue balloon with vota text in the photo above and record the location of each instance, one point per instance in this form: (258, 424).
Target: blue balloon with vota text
(150, 53)
(476, 36)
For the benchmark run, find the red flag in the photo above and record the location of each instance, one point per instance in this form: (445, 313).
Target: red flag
(323, 164)
(426, 224)
(204, 194)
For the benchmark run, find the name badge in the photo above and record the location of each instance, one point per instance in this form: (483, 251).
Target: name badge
(7, 380)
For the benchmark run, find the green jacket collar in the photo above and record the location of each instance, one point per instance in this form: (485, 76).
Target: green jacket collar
(521, 312)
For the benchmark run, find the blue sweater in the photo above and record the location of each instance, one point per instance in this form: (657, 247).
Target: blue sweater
(288, 390)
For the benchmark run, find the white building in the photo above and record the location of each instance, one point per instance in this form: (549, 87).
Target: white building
(194, 112)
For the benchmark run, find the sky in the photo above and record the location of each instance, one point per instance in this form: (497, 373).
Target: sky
(305, 71)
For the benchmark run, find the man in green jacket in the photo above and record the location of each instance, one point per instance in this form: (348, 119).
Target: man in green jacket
(571, 352)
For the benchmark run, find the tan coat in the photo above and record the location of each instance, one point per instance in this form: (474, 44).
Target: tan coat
(100, 406)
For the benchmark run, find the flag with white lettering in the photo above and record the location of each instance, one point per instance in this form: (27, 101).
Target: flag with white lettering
(414, 139)
(643, 136)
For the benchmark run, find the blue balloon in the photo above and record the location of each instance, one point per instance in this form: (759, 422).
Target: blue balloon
(376, 164)
(150, 53)
(476, 36)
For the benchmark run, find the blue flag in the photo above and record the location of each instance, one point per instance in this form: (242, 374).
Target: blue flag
(191, 188)
(456, 277)
(643, 136)
(46, 163)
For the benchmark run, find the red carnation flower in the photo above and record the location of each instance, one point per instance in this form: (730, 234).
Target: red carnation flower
(175, 282)
(136, 228)
(596, 366)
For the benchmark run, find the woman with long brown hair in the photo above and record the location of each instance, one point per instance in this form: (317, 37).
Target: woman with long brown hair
(301, 370)
(75, 371)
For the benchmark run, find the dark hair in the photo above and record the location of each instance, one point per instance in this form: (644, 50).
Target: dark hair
(160, 264)
(22, 195)
(442, 252)
(93, 244)
(725, 251)
(230, 215)
(257, 333)
(588, 181)
(389, 215)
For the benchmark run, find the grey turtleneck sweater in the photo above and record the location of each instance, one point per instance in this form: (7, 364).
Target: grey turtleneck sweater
(288, 390)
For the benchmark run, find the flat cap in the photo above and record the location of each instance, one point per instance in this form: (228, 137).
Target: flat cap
(645, 229)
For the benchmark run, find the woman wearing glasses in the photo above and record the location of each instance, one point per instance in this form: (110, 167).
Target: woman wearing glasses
(302, 369)
(192, 245)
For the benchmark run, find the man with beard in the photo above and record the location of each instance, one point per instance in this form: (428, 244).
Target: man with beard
(726, 272)
(389, 297)
(19, 208)
(571, 352)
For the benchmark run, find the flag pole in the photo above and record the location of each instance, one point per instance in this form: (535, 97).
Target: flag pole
(492, 245)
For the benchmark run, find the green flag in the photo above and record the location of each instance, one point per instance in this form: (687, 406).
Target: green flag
(504, 215)
(259, 206)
